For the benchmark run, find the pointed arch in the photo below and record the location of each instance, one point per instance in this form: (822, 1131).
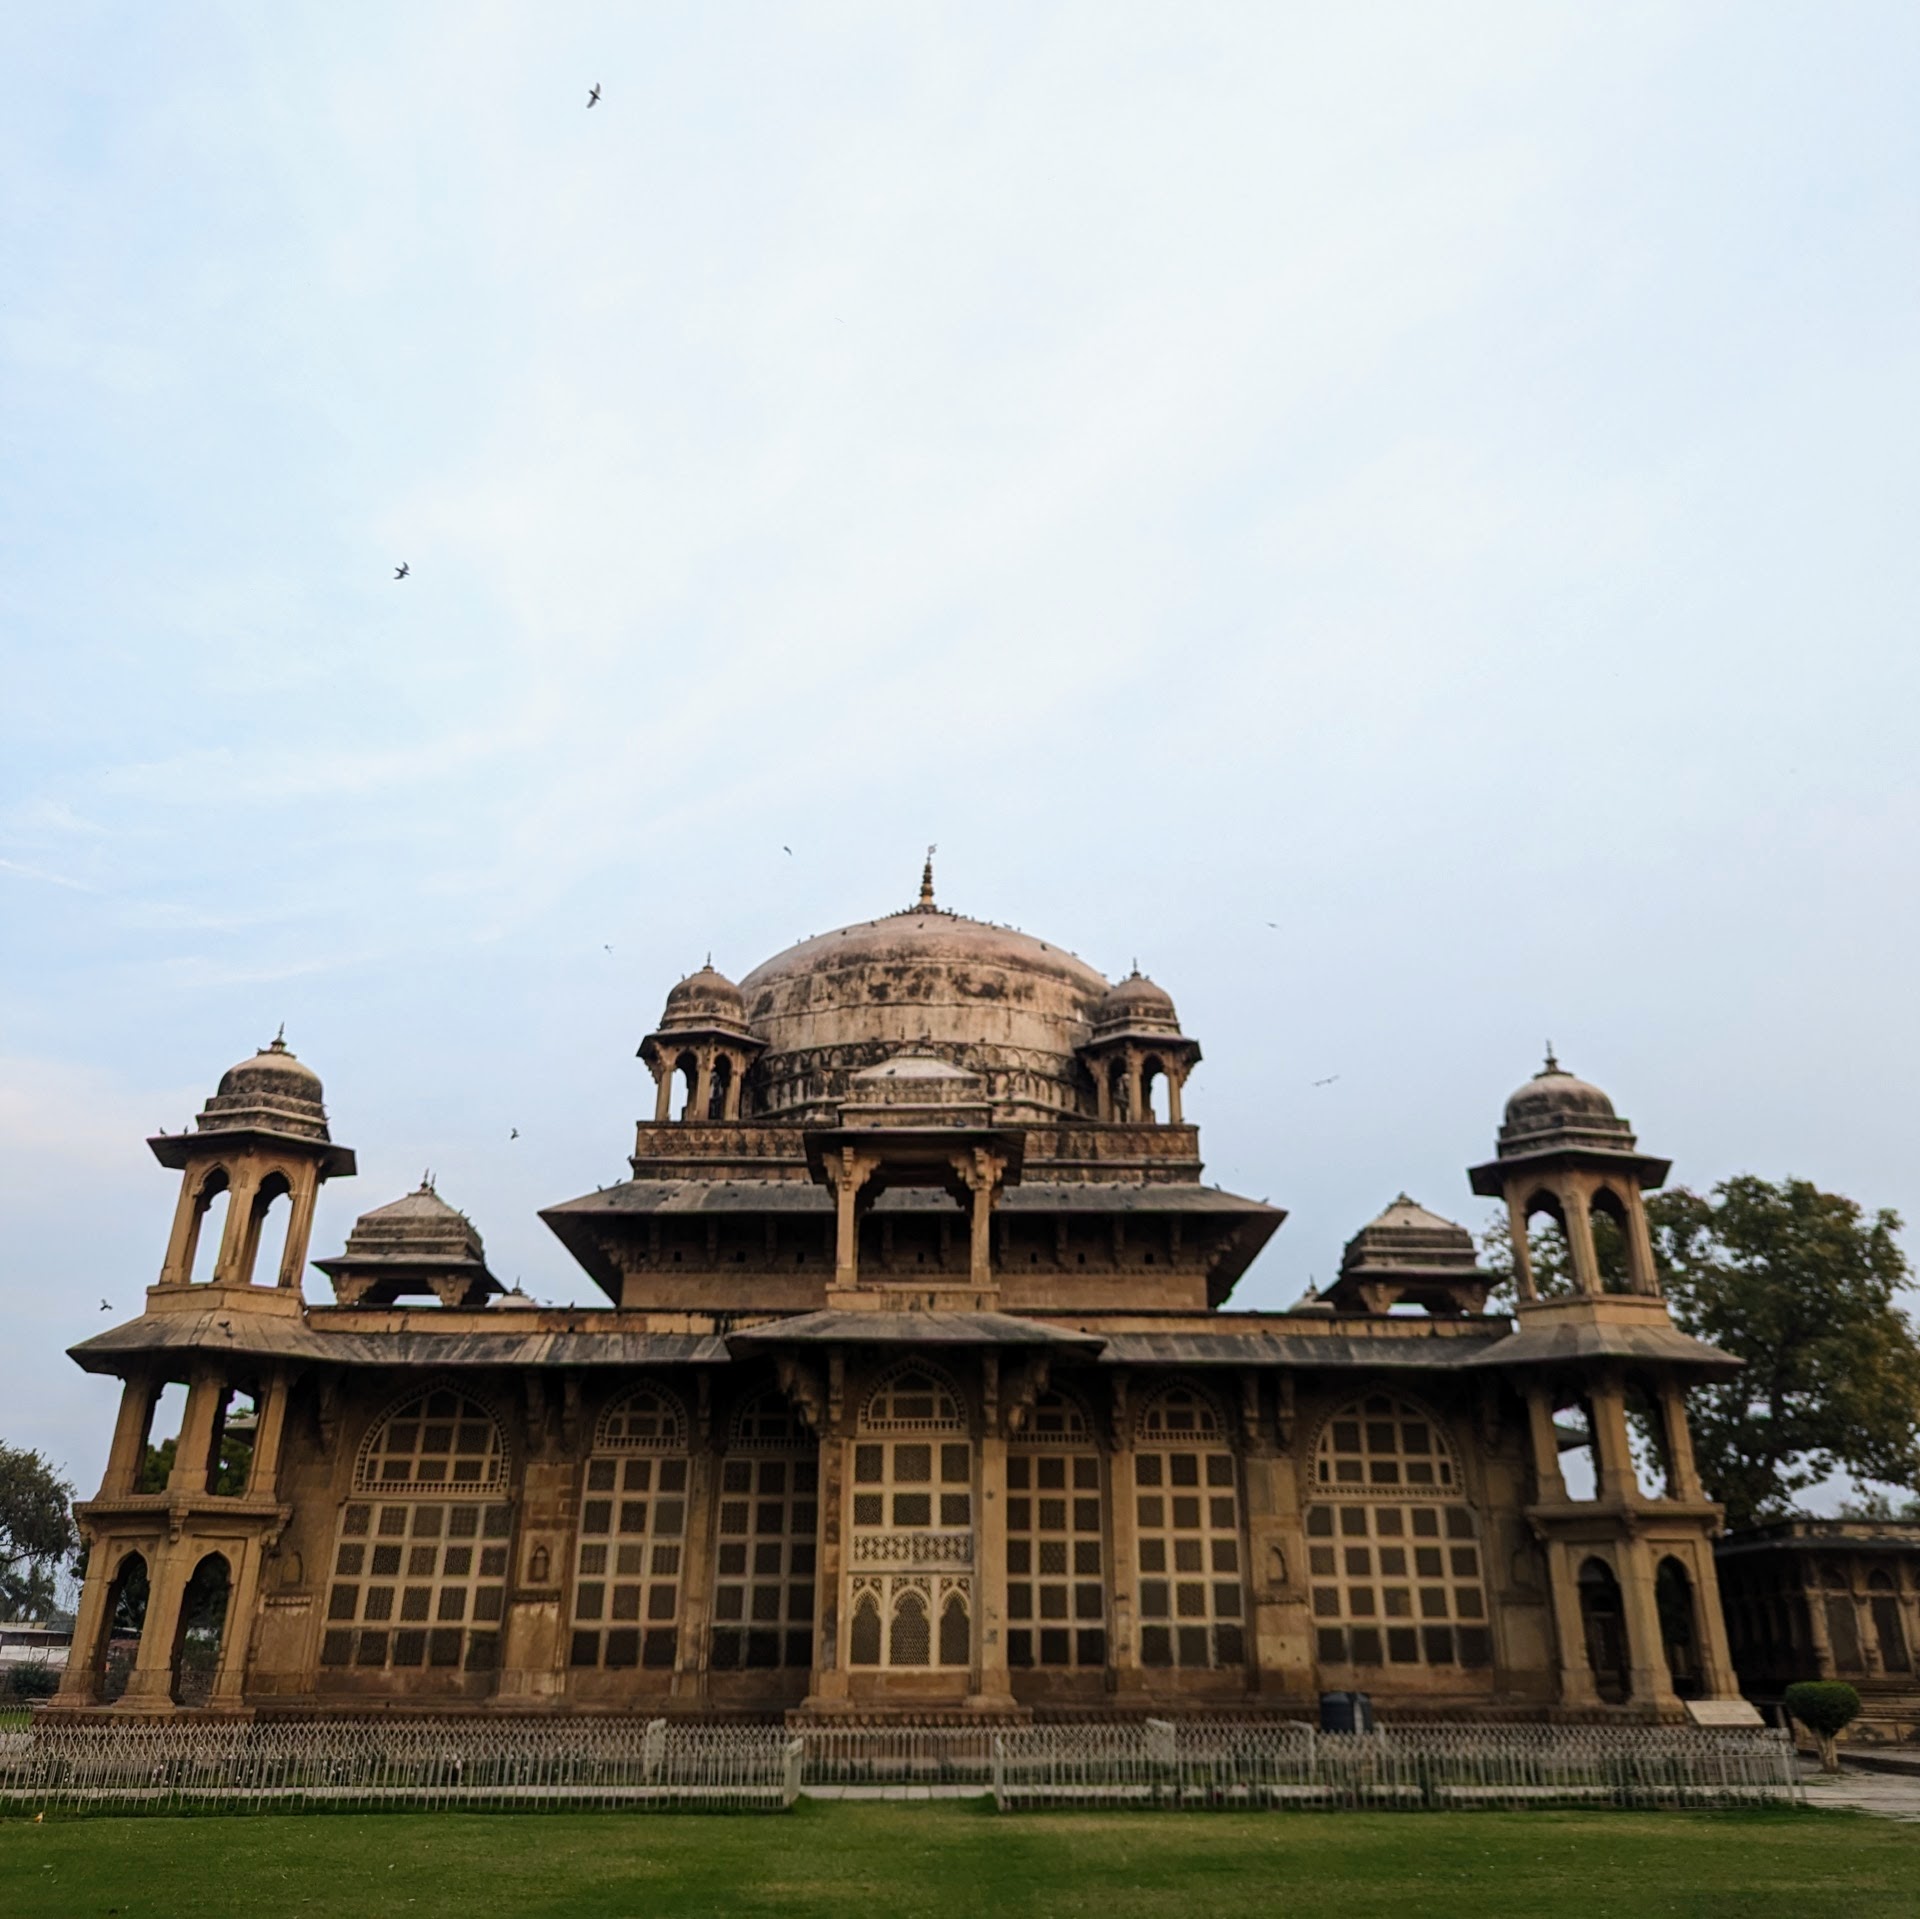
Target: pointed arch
(1603, 1616)
(434, 1439)
(767, 1422)
(864, 1633)
(766, 1530)
(1056, 1539)
(1396, 1571)
(914, 1397)
(646, 1418)
(201, 1632)
(123, 1623)
(1057, 1418)
(1181, 1410)
(1189, 1547)
(1381, 1445)
(207, 1226)
(910, 1630)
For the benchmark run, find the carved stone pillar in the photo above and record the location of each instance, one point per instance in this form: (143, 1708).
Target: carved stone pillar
(1569, 1628)
(1276, 1565)
(830, 1649)
(236, 1633)
(129, 1435)
(1549, 1482)
(150, 1685)
(992, 1687)
(1651, 1683)
(1123, 1653)
(190, 1451)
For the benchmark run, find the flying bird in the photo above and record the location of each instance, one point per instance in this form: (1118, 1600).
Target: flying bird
(788, 850)
(1328, 1081)
(106, 1306)
(606, 947)
(401, 571)
(515, 1134)
(594, 97)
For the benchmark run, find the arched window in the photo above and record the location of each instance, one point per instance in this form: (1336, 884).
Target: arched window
(1843, 1622)
(1605, 1623)
(203, 1618)
(686, 1071)
(1191, 1593)
(633, 1522)
(1056, 1585)
(864, 1637)
(767, 1527)
(1883, 1601)
(438, 1441)
(420, 1564)
(912, 1508)
(647, 1420)
(1679, 1640)
(120, 1632)
(722, 1081)
(208, 1227)
(268, 1221)
(1392, 1554)
(1612, 1243)
(910, 1634)
(913, 1399)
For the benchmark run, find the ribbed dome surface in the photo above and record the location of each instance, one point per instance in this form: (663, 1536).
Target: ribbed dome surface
(997, 1001)
(705, 998)
(271, 1092)
(1136, 1003)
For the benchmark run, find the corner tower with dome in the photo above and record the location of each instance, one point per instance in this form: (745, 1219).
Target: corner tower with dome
(917, 1394)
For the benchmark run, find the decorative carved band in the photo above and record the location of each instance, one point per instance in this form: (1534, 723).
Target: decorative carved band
(913, 1549)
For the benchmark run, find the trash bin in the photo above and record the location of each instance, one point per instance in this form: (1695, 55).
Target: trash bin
(1346, 1712)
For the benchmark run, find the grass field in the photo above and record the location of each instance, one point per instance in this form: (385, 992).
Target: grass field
(960, 1858)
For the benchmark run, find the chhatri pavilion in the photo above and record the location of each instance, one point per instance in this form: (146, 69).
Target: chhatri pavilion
(919, 1392)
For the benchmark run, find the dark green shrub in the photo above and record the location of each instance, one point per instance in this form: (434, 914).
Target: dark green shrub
(1826, 1707)
(33, 1679)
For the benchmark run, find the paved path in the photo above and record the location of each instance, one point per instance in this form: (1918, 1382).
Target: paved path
(1890, 1795)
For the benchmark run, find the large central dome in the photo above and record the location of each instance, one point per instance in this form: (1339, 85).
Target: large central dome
(1010, 1007)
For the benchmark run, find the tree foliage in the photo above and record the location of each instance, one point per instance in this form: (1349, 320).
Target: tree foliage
(1802, 1285)
(36, 1532)
(1826, 1707)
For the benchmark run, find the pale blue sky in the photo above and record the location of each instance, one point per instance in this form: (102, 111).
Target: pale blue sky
(1437, 478)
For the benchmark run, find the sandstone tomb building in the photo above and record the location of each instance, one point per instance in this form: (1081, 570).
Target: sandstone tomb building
(919, 1392)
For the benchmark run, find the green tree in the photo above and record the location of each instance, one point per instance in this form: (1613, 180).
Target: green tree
(36, 1532)
(1802, 1285)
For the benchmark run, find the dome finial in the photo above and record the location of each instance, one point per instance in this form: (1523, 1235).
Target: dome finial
(926, 881)
(1552, 1065)
(426, 1180)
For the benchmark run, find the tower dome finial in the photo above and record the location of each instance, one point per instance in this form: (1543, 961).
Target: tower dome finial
(1552, 1065)
(926, 881)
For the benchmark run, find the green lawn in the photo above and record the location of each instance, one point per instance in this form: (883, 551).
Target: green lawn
(960, 1858)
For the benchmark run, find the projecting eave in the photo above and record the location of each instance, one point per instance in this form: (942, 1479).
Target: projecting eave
(872, 1328)
(160, 1335)
(1581, 1344)
(1491, 1179)
(585, 1225)
(1296, 1351)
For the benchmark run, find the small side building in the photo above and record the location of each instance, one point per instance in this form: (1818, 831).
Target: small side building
(1828, 1599)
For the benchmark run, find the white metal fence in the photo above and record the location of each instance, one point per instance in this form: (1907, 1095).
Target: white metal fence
(413, 1766)
(1199, 1764)
(504, 1765)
